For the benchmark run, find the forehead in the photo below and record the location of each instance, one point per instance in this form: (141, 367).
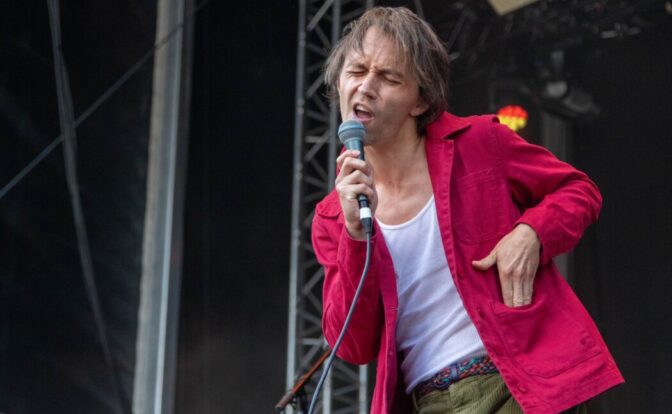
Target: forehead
(376, 49)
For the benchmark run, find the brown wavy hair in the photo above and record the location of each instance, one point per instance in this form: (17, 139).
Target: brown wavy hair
(419, 48)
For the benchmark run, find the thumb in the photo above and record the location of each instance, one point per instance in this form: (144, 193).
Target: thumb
(486, 262)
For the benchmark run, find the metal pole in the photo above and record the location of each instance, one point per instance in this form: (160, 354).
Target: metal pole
(158, 316)
(295, 245)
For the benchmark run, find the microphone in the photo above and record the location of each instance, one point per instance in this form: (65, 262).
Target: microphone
(351, 133)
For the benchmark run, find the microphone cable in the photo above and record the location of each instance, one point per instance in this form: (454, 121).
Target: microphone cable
(337, 345)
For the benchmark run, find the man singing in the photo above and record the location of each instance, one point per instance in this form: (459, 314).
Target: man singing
(462, 306)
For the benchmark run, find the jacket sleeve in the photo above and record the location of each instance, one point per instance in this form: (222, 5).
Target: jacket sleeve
(343, 262)
(557, 201)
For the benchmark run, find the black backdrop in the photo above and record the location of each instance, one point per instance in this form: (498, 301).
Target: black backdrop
(50, 353)
(628, 151)
(233, 325)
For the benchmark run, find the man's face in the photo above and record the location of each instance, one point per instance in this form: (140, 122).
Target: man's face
(375, 88)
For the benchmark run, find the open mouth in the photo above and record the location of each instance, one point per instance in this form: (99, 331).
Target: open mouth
(362, 113)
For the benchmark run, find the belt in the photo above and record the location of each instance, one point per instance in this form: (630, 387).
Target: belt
(455, 372)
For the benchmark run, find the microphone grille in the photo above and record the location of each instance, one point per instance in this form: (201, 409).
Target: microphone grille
(351, 128)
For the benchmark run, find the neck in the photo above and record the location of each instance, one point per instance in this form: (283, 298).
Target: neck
(397, 163)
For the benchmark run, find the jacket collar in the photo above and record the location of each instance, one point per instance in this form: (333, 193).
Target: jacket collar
(446, 126)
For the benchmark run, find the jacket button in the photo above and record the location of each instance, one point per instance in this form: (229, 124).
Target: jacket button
(522, 388)
(480, 313)
(497, 351)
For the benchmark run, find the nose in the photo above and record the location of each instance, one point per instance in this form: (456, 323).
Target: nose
(368, 85)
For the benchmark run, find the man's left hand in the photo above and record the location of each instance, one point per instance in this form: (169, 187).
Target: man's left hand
(517, 258)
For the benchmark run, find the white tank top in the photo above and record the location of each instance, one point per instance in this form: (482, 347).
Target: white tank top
(433, 328)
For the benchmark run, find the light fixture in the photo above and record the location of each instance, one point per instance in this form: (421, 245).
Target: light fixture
(513, 116)
(503, 7)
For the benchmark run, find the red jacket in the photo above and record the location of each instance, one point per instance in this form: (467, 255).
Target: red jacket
(486, 179)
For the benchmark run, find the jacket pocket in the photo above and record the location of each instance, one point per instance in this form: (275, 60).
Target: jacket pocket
(543, 338)
(479, 213)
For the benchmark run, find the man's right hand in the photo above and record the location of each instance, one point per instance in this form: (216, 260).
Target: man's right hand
(355, 177)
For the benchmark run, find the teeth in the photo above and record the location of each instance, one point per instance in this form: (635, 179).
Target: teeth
(359, 110)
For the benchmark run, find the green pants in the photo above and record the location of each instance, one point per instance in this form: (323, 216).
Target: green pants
(480, 394)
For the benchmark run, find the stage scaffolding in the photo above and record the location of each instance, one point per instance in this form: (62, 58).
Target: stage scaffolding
(315, 146)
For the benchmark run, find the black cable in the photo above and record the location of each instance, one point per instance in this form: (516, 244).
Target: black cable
(101, 99)
(337, 345)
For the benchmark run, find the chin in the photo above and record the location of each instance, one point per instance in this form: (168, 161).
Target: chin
(370, 139)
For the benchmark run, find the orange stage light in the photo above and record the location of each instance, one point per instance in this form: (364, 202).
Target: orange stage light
(513, 116)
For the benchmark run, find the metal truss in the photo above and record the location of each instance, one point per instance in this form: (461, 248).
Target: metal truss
(315, 147)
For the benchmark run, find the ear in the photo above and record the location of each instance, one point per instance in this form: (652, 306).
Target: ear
(420, 107)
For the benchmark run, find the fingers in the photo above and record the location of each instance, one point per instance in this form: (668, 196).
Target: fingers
(517, 294)
(351, 191)
(485, 263)
(507, 290)
(352, 170)
(528, 286)
(348, 162)
(349, 186)
(517, 288)
(345, 154)
(516, 257)
(516, 282)
(355, 177)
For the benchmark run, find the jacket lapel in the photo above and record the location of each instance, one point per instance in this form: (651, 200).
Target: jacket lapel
(440, 150)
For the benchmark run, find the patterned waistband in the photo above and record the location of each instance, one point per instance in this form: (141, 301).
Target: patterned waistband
(455, 372)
